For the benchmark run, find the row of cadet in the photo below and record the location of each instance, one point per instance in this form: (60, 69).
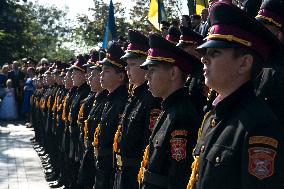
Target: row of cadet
(133, 119)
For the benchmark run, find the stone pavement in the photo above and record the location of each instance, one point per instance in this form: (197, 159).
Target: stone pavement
(20, 166)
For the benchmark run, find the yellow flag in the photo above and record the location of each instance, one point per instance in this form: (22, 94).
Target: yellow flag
(200, 5)
(156, 13)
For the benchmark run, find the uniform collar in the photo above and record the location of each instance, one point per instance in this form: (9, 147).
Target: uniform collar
(140, 89)
(244, 92)
(84, 85)
(101, 95)
(117, 91)
(173, 98)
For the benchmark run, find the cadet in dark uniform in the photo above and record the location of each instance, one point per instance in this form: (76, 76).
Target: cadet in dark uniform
(87, 169)
(79, 80)
(65, 144)
(137, 119)
(167, 158)
(87, 103)
(189, 40)
(114, 79)
(240, 142)
(270, 85)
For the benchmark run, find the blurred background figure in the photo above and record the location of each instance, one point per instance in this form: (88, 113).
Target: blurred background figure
(195, 22)
(18, 80)
(185, 21)
(28, 92)
(3, 79)
(165, 27)
(10, 113)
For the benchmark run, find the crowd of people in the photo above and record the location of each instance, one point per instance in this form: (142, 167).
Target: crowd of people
(16, 89)
(198, 106)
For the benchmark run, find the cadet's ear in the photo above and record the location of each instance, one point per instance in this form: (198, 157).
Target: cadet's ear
(175, 73)
(246, 64)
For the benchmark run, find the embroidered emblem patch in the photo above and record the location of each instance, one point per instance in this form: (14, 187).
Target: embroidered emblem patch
(178, 148)
(261, 162)
(179, 133)
(263, 140)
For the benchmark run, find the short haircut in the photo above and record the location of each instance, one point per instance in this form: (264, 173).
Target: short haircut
(257, 63)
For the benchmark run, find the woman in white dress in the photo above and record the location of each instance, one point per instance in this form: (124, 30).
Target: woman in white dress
(8, 108)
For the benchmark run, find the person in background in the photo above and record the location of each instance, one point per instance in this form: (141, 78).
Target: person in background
(195, 21)
(204, 25)
(44, 63)
(17, 77)
(8, 108)
(185, 21)
(28, 92)
(3, 79)
(165, 27)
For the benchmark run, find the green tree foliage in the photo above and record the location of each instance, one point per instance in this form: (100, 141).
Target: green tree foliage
(91, 30)
(31, 30)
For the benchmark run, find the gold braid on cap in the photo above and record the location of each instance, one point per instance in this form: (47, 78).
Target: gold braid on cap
(269, 20)
(159, 58)
(229, 38)
(114, 63)
(137, 51)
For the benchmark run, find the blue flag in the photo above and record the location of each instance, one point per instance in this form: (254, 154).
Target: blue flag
(110, 29)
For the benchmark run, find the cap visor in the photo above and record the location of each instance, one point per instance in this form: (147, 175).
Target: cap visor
(87, 65)
(95, 68)
(129, 55)
(183, 44)
(216, 44)
(145, 65)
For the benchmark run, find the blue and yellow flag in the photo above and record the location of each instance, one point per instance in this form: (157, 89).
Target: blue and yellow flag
(157, 13)
(200, 5)
(110, 30)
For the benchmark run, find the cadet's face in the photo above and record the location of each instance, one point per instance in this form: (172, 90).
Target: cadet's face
(220, 68)
(49, 80)
(68, 79)
(109, 78)
(135, 74)
(78, 77)
(158, 79)
(95, 80)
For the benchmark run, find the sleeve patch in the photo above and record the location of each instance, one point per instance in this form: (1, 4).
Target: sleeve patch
(179, 133)
(178, 148)
(263, 140)
(261, 162)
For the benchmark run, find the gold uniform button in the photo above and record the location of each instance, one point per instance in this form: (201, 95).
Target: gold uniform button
(213, 123)
(217, 160)
(202, 149)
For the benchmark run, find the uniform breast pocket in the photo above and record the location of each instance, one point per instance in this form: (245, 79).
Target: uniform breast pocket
(221, 156)
(223, 167)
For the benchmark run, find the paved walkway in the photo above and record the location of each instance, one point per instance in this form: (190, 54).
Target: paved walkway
(20, 167)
